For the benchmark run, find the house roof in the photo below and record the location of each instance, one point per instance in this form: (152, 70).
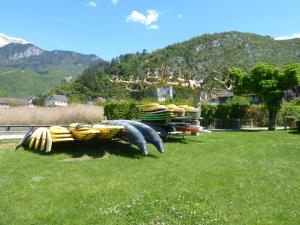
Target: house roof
(225, 93)
(14, 101)
(59, 98)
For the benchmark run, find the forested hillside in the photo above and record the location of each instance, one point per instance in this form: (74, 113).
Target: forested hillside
(201, 54)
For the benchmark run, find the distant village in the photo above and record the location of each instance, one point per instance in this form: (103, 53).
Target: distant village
(163, 94)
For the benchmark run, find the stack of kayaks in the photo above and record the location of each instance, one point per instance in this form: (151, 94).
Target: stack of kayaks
(177, 111)
(37, 139)
(83, 131)
(137, 134)
(42, 137)
(60, 134)
(108, 132)
(169, 118)
(158, 117)
(155, 112)
(182, 119)
(187, 128)
(132, 131)
(186, 123)
(150, 107)
(190, 111)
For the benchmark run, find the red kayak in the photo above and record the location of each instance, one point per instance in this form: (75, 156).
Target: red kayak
(189, 129)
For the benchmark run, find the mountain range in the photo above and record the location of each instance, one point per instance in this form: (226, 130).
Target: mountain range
(203, 54)
(27, 70)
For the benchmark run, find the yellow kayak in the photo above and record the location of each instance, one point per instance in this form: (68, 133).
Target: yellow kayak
(59, 130)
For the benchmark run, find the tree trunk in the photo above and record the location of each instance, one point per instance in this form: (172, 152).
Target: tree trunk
(197, 101)
(197, 104)
(272, 118)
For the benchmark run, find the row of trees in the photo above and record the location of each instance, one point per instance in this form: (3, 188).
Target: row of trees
(263, 80)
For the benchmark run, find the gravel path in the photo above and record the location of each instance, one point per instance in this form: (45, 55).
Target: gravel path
(11, 136)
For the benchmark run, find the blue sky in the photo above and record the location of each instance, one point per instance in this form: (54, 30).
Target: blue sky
(109, 28)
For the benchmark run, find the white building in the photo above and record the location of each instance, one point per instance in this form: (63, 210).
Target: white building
(164, 93)
(56, 100)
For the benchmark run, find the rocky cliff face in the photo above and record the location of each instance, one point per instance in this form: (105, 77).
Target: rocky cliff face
(13, 51)
(27, 70)
(31, 56)
(30, 51)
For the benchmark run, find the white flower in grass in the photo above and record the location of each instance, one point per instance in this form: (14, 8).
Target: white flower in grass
(37, 178)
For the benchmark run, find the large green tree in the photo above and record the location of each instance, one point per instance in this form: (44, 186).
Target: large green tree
(268, 82)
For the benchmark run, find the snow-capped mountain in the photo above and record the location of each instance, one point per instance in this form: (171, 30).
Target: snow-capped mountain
(17, 52)
(28, 70)
(5, 40)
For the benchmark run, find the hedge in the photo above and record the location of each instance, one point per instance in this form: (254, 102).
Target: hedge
(289, 114)
(124, 110)
(210, 112)
(298, 125)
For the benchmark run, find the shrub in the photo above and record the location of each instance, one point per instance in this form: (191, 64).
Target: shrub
(239, 107)
(259, 115)
(223, 111)
(208, 113)
(296, 101)
(236, 108)
(288, 114)
(126, 110)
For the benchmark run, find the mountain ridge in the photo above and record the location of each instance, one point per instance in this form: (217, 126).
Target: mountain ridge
(202, 54)
(27, 70)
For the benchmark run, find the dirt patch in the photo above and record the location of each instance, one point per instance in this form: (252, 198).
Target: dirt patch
(83, 158)
(7, 146)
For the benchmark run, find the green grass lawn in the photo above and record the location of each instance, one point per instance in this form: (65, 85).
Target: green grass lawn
(219, 178)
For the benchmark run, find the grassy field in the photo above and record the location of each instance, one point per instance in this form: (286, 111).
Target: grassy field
(219, 178)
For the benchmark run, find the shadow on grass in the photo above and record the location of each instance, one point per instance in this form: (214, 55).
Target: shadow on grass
(95, 149)
(176, 140)
(294, 132)
(251, 131)
(181, 140)
(248, 130)
(240, 130)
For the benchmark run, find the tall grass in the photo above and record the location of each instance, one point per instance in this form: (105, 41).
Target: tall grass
(50, 116)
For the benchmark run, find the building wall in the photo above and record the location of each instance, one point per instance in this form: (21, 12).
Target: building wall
(57, 103)
(53, 103)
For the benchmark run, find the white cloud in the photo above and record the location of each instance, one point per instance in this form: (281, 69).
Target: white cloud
(297, 35)
(154, 27)
(148, 20)
(115, 2)
(92, 4)
(180, 16)
(4, 40)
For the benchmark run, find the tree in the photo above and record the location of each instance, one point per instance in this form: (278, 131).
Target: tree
(268, 82)
(181, 77)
